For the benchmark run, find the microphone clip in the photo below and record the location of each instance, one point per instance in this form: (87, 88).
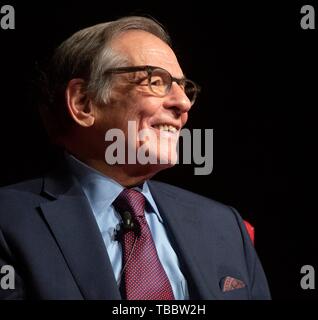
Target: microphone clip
(126, 225)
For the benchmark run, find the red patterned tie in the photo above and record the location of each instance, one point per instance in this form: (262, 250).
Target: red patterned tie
(143, 277)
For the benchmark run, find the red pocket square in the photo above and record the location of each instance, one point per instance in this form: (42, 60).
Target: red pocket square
(230, 284)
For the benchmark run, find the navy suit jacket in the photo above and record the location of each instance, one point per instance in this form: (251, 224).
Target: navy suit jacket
(48, 233)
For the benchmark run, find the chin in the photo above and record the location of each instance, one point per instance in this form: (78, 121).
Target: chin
(165, 156)
(167, 160)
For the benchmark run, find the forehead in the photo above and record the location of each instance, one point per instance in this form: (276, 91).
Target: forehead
(143, 48)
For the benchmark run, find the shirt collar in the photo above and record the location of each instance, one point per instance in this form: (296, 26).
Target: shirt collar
(144, 189)
(101, 190)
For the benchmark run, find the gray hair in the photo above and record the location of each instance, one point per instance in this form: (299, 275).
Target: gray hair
(87, 54)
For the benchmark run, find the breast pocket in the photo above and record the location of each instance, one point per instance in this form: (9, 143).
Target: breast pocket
(233, 288)
(236, 294)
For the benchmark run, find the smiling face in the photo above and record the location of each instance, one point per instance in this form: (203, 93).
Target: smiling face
(131, 100)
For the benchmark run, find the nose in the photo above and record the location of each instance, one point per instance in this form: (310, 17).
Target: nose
(177, 99)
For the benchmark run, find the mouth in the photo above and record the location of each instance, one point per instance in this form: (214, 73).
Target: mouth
(166, 127)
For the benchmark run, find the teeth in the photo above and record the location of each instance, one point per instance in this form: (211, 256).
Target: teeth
(165, 127)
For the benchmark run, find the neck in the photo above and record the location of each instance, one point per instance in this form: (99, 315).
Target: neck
(125, 175)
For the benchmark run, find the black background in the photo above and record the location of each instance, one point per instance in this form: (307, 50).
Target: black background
(258, 71)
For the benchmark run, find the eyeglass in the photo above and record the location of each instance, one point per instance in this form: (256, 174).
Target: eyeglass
(160, 81)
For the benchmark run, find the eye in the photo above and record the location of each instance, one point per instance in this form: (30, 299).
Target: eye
(156, 81)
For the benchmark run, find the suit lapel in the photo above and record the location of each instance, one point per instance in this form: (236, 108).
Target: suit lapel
(185, 230)
(73, 225)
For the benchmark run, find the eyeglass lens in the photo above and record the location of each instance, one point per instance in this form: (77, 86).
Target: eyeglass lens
(160, 83)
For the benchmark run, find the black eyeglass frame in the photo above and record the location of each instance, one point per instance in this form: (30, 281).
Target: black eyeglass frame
(149, 69)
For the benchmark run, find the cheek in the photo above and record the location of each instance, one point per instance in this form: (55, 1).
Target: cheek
(147, 109)
(132, 107)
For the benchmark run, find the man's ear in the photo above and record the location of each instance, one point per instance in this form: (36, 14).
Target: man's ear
(79, 105)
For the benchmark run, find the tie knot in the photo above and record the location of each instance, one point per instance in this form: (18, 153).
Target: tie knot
(132, 201)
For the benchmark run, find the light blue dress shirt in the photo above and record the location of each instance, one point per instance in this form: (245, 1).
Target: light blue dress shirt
(101, 191)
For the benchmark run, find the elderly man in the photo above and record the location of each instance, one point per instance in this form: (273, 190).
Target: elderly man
(95, 229)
